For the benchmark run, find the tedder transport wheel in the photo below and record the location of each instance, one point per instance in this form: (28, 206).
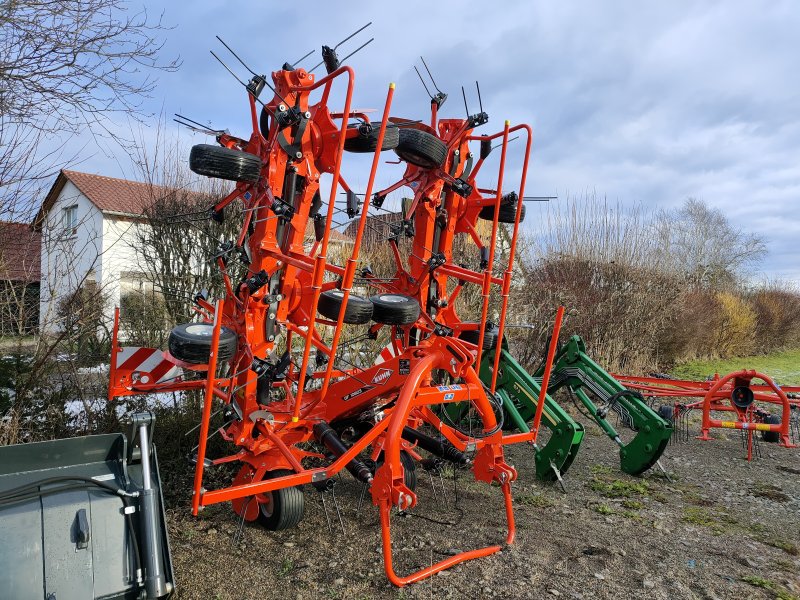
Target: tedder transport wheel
(283, 508)
(409, 469)
(224, 163)
(191, 343)
(394, 309)
(369, 142)
(489, 336)
(508, 213)
(772, 437)
(358, 311)
(421, 148)
(666, 412)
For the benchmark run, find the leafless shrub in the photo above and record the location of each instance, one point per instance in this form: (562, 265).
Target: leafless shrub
(777, 308)
(646, 291)
(177, 240)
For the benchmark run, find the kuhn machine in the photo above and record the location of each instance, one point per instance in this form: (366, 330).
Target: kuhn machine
(270, 352)
(293, 292)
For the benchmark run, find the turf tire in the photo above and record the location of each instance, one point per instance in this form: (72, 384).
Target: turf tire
(368, 143)
(358, 311)
(191, 343)
(286, 507)
(508, 213)
(394, 309)
(421, 148)
(224, 163)
(771, 437)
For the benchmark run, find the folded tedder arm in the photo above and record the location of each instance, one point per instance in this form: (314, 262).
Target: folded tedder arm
(520, 393)
(574, 369)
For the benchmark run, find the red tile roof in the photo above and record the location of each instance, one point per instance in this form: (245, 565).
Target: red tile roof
(128, 198)
(113, 195)
(109, 194)
(20, 252)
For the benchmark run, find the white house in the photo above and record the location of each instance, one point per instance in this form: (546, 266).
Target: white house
(89, 240)
(88, 225)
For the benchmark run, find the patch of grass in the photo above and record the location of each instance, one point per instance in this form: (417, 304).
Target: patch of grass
(535, 500)
(660, 498)
(784, 565)
(668, 477)
(600, 470)
(287, 566)
(757, 527)
(633, 516)
(698, 516)
(632, 504)
(769, 491)
(604, 509)
(781, 593)
(782, 366)
(716, 521)
(618, 488)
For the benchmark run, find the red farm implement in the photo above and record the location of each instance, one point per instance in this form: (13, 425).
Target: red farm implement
(735, 395)
(270, 353)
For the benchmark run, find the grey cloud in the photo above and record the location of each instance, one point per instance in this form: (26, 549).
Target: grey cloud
(643, 102)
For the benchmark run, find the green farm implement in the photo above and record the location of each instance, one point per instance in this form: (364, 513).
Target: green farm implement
(598, 393)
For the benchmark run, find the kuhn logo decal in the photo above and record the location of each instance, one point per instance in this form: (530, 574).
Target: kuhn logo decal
(382, 375)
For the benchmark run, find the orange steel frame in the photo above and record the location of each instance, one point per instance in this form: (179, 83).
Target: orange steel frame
(268, 435)
(715, 395)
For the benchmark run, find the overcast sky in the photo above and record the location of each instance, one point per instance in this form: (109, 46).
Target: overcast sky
(641, 102)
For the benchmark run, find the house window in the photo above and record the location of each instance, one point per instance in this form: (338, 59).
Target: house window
(70, 219)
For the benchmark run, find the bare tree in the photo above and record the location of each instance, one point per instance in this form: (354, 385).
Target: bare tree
(67, 66)
(177, 240)
(702, 245)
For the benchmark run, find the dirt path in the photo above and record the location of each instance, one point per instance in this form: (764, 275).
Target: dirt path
(722, 529)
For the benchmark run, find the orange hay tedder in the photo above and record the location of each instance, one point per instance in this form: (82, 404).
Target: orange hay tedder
(270, 354)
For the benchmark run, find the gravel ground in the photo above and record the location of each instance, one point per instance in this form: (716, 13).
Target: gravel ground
(722, 528)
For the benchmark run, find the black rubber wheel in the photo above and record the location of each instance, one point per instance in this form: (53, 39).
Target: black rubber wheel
(191, 343)
(666, 412)
(224, 163)
(508, 213)
(409, 469)
(489, 336)
(285, 507)
(369, 142)
(771, 437)
(263, 123)
(394, 309)
(421, 148)
(358, 311)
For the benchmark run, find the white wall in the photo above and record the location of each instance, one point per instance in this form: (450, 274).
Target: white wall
(68, 260)
(119, 255)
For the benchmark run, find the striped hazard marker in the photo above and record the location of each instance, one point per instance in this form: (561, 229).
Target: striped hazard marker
(145, 365)
(386, 354)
